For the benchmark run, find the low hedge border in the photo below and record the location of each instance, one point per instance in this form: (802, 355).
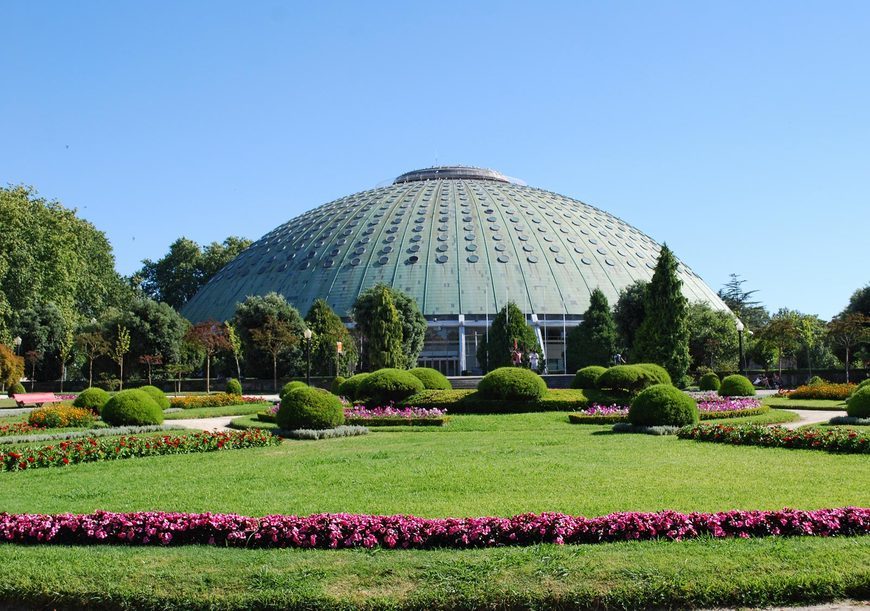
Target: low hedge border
(317, 434)
(581, 418)
(470, 402)
(658, 429)
(839, 420)
(93, 450)
(221, 399)
(343, 531)
(104, 432)
(831, 440)
(438, 421)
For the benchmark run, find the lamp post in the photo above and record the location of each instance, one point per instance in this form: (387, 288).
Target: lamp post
(740, 328)
(17, 343)
(339, 350)
(307, 335)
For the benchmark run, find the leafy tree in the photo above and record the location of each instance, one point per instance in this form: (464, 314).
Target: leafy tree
(93, 345)
(412, 321)
(42, 328)
(327, 330)
(849, 330)
(859, 302)
(381, 326)
(741, 302)
(713, 340)
(235, 347)
(150, 361)
(274, 337)
(663, 336)
(32, 357)
(11, 367)
(783, 333)
(508, 328)
(210, 337)
(119, 348)
(177, 276)
(252, 314)
(593, 341)
(629, 312)
(65, 348)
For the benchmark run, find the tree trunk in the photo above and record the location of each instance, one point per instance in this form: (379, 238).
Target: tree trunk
(90, 372)
(847, 364)
(62, 375)
(238, 368)
(121, 365)
(275, 372)
(207, 373)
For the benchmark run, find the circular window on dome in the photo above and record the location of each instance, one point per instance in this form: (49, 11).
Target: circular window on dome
(585, 261)
(416, 238)
(327, 263)
(414, 248)
(359, 251)
(601, 251)
(443, 228)
(497, 237)
(528, 248)
(471, 247)
(500, 247)
(340, 242)
(532, 259)
(364, 240)
(631, 263)
(650, 265)
(442, 238)
(419, 219)
(473, 259)
(413, 259)
(396, 221)
(593, 241)
(547, 238)
(554, 248)
(281, 267)
(442, 248)
(468, 227)
(347, 232)
(522, 237)
(392, 229)
(515, 219)
(503, 259)
(520, 227)
(441, 259)
(384, 260)
(418, 228)
(390, 239)
(387, 249)
(305, 265)
(560, 260)
(444, 219)
(495, 227)
(609, 262)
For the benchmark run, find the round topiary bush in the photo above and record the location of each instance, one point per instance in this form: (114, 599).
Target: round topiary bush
(861, 385)
(816, 381)
(17, 389)
(432, 378)
(335, 387)
(858, 405)
(388, 386)
(289, 386)
(657, 373)
(663, 405)
(132, 407)
(512, 383)
(158, 395)
(709, 381)
(350, 387)
(736, 386)
(626, 378)
(587, 377)
(92, 398)
(234, 387)
(306, 407)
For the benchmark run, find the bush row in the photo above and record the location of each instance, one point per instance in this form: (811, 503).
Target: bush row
(832, 440)
(471, 402)
(93, 449)
(342, 531)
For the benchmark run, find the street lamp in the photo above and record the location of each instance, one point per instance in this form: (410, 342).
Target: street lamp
(17, 343)
(339, 350)
(740, 328)
(307, 335)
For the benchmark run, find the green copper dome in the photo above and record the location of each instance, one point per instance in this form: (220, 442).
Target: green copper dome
(460, 240)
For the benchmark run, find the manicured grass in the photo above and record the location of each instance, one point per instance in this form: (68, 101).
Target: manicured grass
(774, 416)
(820, 404)
(7, 403)
(251, 422)
(214, 412)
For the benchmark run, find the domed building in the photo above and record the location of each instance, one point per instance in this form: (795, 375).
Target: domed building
(463, 242)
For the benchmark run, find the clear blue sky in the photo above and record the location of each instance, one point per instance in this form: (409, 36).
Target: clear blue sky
(737, 132)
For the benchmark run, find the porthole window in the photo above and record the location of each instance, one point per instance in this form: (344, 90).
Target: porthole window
(442, 248)
(560, 260)
(441, 259)
(473, 259)
(471, 247)
(413, 259)
(503, 258)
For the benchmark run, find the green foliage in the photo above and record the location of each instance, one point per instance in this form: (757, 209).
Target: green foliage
(350, 387)
(736, 385)
(863, 384)
(631, 379)
(327, 329)
(335, 386)
(593, 341)
(713, 339)
(816, 381)
(92, 398)
(709, 381)
(389, 385)
(512, 384)
(234, 387)
(663, 405)
(309, 408)
(629, 312)
(657, 373)
(11, 367)
(374, 318)
(158, 395)
(508, 327)
(432, 378)
(42, 329)
(16, 389)
(253, 313)
(663, 337)
(587, 377)
(291, 386)
(742, 304)
(858, 405)
(132, 407)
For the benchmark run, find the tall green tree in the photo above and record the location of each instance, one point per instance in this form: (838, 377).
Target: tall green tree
(383, 329)
(663, 337)
(784, 334)
(42, 329)
(210, 337)
(412, 321)
(252, 314)
(327, 330)
(275, 337)
(713, 339)
(629, 312)
(849, 331)
(593, 341)
(508, 328)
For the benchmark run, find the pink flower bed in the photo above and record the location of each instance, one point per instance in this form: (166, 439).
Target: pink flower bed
(390, 411)
(606, 410)
(707, 402)
(337, 531)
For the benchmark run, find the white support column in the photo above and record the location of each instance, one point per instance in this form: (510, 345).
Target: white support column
(536, 325)
(462, 366)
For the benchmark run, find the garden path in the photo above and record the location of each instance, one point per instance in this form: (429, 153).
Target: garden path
(205, 424)
(812, 416)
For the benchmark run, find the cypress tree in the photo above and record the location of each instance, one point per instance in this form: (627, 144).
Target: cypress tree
(663, 336)
(508, 325)
(593, 341)
(385, 340)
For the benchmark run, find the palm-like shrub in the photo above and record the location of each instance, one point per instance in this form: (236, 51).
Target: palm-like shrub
(432, 378)
(587, 377)
(389, 385)
(709, 381)
(92, 398)
(858, 405)
(736, 386)
(132, 407)
(158, 395)
(306, 407)
(512, 383)
(234, 387)
(663, 405)
(290, 386)
(350, 387)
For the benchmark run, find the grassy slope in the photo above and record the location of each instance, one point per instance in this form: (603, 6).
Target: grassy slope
(820, 404)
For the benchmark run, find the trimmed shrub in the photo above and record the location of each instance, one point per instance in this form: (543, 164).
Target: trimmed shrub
(625, 378)
(158, 395)
(709, 381)
(388, 386)
(306, 407)
(432, 378)
(17, 389)
(587, 377)
(736, 385)
(657, 373)
(815, 381)
(335, 387)
(512, 383)
(218, 399)
(60, 416)
(861, 385)
(858, 405)
(290, 386)
(92, 398)
(663, 405)
(132, 407)
(350, 387)
(234, 387)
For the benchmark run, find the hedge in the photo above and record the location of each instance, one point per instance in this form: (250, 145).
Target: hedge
(512, 384)
(471, 402)
(736, 385)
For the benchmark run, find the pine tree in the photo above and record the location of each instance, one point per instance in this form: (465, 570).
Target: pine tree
(385, 340)
(508, 326)
(663, 337)
(593, 341)
(328, 330)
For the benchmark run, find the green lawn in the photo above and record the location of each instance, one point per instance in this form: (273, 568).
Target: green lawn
(476, 465)
(214, 412)
(820, 404)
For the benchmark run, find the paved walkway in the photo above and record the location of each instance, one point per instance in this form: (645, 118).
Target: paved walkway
(812, 416)
(205, 424)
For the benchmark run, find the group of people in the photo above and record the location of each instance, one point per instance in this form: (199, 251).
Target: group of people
(517, 359)
(766, 381)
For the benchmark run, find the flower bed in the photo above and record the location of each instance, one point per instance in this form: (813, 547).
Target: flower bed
(18, 428)
(835, 392)
(220, 399)
(93, 449)
(391, 415)
(832, 440)
(61, 416)
(340, 531)
(710, 406)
